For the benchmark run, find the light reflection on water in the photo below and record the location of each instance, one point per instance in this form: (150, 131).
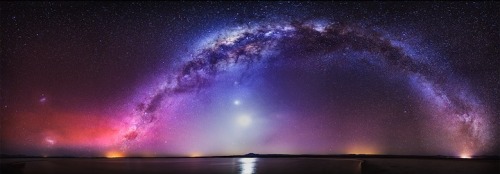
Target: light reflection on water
(247, 165)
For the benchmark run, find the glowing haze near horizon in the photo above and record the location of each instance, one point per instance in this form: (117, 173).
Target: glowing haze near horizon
(193, 79)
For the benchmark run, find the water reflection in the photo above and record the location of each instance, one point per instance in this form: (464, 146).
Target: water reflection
(247, 165)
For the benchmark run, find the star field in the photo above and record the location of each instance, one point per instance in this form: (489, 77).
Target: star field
(221, 78)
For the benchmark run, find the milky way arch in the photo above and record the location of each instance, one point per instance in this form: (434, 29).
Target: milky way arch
(462, 113)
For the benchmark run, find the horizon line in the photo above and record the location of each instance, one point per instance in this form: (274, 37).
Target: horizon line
(259, 155)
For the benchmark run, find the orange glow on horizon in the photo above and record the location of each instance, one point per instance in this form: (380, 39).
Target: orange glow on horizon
(195, 154)
(114, 154)
(362, 150)
(465, 156)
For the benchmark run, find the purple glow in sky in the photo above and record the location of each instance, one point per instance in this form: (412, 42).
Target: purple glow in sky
(201, 78)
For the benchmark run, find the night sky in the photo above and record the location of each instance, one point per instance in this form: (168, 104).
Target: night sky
(220, 78)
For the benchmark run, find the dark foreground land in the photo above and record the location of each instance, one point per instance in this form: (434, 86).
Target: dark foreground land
(249, 165)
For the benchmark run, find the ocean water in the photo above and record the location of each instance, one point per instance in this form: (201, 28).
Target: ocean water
(248, 165)
(187, 165)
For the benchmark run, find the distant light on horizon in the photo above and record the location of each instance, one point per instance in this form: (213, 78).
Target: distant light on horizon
(114, 154)
(362, 150)
(195, 154)
(465, 156)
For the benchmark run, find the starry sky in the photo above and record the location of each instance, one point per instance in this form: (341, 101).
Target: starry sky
(221, 78)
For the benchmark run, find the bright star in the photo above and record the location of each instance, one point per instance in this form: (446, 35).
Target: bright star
(236, 102)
